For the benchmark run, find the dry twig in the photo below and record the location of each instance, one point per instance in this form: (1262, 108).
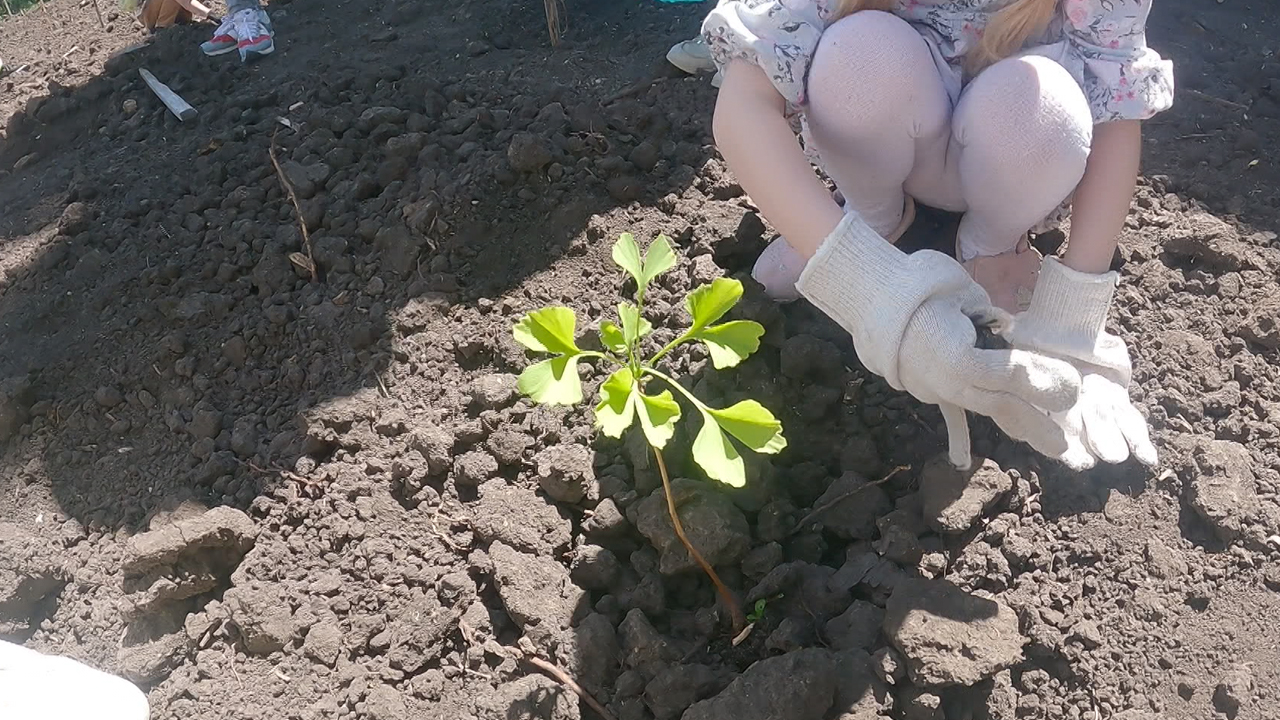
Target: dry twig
(559, 674)
(845, 496)
(310, 264)
(555, 24)
(1214, 99)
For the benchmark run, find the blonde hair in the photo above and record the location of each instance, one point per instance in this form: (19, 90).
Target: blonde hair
(1005, 35)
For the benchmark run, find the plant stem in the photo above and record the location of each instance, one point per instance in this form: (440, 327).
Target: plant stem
(735, 611)
(669, 347)
(679, 388)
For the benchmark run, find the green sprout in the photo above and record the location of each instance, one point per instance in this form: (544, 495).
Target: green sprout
(626, 398)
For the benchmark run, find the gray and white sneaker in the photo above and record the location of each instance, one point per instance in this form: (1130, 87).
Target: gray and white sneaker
(692, 56)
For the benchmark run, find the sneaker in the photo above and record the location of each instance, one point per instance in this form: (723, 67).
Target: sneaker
(223, 40)
(692, 56)
(253, 34)
(1010, 277)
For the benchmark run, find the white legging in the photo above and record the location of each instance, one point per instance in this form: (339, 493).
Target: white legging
(1006, 155)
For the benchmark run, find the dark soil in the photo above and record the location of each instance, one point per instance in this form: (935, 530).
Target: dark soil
(262, 495)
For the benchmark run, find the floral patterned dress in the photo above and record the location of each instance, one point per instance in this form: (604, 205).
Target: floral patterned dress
(1102, 43)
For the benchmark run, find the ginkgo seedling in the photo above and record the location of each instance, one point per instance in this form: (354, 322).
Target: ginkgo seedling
(626, 397)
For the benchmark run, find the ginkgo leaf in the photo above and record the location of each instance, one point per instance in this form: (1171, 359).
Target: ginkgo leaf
(553, 382)
(612, 337)
(617, 409)
(634, 326)
(732, 342)
(716, 455)
(550, 329)
(658, 417)
(753, 425)
(710, 302)
(658, 259)
(626, 255)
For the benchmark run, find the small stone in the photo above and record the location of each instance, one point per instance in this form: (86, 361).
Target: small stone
(605, 521)
(1225, 492)
(566, 472)
(236, 351)
(591, 654)
(796, 686)
(108, 396)
(679, 686)
(761, 560)
(536, 592)
(948, 636)
(324, 642)
(594, 567)
(954, 499)
(205, 424)
(509, 445)
(856, 506)
(75, 219)
(494, 391)
(520, 518)
(643, 647)
(528, 153)
(473, 468)
(857, 627)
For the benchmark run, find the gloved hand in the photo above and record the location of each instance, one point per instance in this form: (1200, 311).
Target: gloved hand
(1067, 320)
(34, 686)
(912, 321)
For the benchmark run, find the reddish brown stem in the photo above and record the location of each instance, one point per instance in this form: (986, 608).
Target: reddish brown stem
(735, 610)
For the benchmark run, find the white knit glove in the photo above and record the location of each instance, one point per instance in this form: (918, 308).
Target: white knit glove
(1067, 319)
(912, 321)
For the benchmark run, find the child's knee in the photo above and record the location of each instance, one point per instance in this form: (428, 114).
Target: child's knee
(861, 73)
(1028, 106)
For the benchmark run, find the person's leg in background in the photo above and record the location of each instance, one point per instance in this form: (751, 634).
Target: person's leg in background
(877, 111)
(1022, 132)
(34, 686)
(246, 28)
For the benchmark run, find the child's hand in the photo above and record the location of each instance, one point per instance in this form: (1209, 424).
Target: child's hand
(1067, 320)
(912, 321)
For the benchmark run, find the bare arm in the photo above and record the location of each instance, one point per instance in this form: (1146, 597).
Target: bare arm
(752, 133)
(1102, 199)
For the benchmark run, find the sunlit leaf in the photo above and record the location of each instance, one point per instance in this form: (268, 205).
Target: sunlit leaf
(550, 329)
(710, 302)
(611, 336)
(617, 409)
(732, 342)
(658, 259)
(658, 416)
(553, 382)
(753, 425)
(634, 326)
(716, 455)
(626, 255)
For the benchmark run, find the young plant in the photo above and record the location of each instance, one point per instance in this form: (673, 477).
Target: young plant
(626, 397)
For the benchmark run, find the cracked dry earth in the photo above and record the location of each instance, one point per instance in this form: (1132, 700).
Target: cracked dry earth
(259, 495)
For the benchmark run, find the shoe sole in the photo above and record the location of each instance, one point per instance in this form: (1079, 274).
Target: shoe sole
(216, 53)
(249, 53)
(687, 63)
